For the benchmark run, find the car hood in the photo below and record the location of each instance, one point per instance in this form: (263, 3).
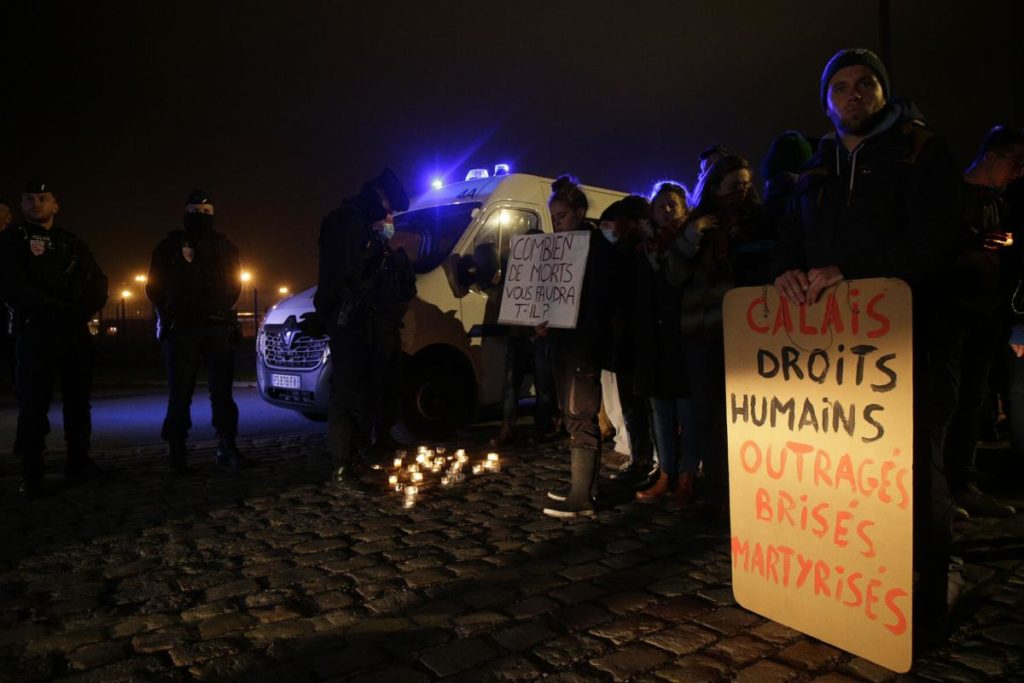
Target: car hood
(294, 305)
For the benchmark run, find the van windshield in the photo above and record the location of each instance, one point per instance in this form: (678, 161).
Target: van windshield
(428, 235)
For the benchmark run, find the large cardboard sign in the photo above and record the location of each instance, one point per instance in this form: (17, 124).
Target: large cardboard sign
(544, 279)
(820, 411)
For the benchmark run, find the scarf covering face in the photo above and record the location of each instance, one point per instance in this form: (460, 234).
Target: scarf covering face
(733, 211)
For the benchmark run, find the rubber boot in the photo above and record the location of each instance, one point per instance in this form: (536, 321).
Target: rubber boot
(657, 490)
(563, 494)
(578, 503)
(178, 457)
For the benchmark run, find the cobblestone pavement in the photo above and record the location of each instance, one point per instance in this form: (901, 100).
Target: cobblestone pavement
(274, 574)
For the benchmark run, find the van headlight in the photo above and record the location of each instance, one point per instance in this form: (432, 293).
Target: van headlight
(261, 342)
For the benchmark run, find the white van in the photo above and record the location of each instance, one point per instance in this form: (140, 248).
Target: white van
(456, 237)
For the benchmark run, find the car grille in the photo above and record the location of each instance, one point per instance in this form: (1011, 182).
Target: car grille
(305, 352)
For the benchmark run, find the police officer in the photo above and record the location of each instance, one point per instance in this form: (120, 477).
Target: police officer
(54, 286)
(194, 282)
(363, 291)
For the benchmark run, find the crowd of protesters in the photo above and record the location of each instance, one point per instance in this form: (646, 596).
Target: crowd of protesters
(879, 196)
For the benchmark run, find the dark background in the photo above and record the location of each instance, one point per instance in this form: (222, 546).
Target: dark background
(280, 110)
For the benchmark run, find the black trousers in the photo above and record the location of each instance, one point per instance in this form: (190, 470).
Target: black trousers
(365, 385)
(184, 351)
(974, 347)
(578, 385)
(936, 373)
(44, 352)
(636, 413)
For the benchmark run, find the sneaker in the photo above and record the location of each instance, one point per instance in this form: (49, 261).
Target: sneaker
(977, 502)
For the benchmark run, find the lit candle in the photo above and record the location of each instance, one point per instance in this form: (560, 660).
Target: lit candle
(445, 480)
(398, 463)
(411, 491)
(392, 480)
(477, 469)
(417, 477)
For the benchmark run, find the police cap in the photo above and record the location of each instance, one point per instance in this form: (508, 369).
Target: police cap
(389, 183)
(199, 197)
(37, 187)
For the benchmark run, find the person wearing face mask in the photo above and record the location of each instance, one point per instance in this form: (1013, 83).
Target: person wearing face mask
(363, 291)
(726, 243)
(660, 377)
(578, 355)
(53, 286)
(193, 283)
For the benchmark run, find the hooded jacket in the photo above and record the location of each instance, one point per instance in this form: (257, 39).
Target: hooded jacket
(358, 272)
(889, 208)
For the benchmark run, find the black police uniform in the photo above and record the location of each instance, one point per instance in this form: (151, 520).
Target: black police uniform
(194, 284)
(363, 292)
(53, 286)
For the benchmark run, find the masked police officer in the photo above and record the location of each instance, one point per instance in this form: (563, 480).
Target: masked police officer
(363, 290)
(194, 282)
(53, 286)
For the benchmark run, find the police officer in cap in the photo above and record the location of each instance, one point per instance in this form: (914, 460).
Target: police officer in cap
(53, 286)
(363, 292)
(194, 282)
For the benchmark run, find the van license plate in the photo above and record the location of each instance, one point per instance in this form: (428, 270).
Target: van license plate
(285, 381)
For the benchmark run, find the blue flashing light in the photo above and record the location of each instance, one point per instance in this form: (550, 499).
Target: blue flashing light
(477, 174)
(437, 183)
(501, 169)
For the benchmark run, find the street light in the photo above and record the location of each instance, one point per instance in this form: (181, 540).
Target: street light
(282, 290)
(246, 277)
(125, 295)
(141, 279)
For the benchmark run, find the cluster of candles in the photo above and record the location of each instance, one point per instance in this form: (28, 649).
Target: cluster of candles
(409, 479)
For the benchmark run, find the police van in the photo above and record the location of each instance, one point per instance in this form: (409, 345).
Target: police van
(456, 236)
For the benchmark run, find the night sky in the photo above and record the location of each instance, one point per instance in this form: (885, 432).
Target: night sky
(280, 110)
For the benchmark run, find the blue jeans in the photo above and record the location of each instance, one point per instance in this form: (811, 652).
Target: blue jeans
(670, 415)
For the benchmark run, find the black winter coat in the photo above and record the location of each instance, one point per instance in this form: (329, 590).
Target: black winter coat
(194, 293)
(660, 366)
(888, 209)
(49, 277)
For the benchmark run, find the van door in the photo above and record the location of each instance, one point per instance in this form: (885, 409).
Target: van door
(490, 248)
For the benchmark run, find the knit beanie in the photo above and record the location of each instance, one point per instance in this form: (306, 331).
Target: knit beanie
(853, 57)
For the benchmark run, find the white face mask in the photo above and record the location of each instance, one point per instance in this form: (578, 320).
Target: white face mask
(609, 234)
(388, 230)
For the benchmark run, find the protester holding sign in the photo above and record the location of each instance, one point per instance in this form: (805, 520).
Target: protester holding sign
(578, 355)
(880, 199)
(660, 371)
(726, 243)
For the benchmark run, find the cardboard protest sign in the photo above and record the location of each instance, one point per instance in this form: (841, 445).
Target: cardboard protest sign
(819, 405)
(544, 279)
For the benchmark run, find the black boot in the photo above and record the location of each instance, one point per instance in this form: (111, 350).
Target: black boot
(584, 472)
(228, 455)
(31, 486)
(82, 468)
(178, 457)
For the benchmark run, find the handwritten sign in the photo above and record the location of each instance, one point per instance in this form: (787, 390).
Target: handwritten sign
(820, 411)
(544, 279)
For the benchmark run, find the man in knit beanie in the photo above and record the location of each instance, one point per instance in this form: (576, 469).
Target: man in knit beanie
(879, 198)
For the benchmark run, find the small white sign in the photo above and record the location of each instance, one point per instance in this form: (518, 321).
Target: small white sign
(544, 279)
